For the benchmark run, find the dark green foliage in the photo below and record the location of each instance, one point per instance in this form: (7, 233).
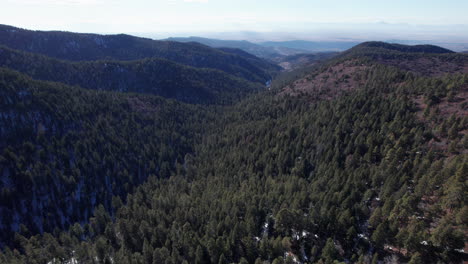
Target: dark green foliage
(272, 178)
(88, 147)
(152, 76)
(329, 252)
(403, 48)
(89, 47)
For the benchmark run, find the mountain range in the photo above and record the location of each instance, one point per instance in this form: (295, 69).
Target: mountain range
(118, 149)
(188, 71)
(273, 49)
(252, 48)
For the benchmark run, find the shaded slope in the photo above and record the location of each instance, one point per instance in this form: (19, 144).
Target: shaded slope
(64, 150)
(85, 47)
(153, 76)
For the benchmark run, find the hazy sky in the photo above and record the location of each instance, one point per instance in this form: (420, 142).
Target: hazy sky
(172, 17)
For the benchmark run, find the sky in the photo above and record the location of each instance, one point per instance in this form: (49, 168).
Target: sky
(281, 18)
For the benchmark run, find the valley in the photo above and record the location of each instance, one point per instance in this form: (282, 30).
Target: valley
(118, 149)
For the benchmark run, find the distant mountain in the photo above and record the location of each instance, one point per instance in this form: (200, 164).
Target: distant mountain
(255, 49)
(311, 46)
(347, 71)
(249, 47)
(286, 57)
(426, 60)
(402, 48)
(152, 75)
(85, 47)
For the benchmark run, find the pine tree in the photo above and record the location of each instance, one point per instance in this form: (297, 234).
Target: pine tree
(329, 252)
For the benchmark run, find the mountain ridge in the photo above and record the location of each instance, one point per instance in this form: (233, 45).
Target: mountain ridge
(403, 48)
(152, 75)
(346, 71)
(83, 46)
(253, 48)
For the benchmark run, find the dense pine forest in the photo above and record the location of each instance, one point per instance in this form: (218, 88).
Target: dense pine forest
(151, 76)
(361, 158)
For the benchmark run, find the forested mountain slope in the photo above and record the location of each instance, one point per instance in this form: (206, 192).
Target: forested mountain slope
(370, 166)
(66, 149)
(426, 60)
(86, 47)
(151, 75)
(351, 69)
(402, 48)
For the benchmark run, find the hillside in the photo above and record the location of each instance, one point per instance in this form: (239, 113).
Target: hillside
(426, 60)
(350, 69)
(151, 76)
(402, 48)
(352, 160)
(87, 47)
(66, 150)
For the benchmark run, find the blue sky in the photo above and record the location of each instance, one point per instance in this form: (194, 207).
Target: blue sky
(194, 16)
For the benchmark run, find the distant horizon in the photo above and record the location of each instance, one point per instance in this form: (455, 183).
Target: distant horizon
(334, 34)
(434, 21)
